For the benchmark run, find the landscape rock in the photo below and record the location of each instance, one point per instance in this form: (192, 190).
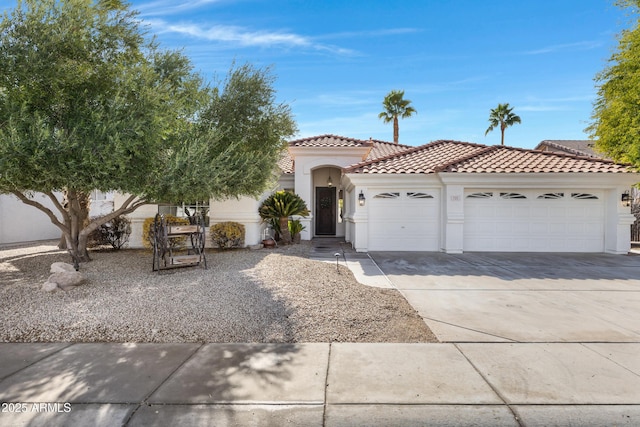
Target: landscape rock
(67, 279)
(61, 267)
(49, 287)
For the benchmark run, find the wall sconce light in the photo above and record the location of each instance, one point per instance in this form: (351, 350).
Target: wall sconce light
(329, 182)
(625, 199)
(361, 198)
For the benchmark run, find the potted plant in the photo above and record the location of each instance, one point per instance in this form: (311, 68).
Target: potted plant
(278, 207)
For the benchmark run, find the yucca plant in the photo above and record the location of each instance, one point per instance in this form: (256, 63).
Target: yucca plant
(280, 206)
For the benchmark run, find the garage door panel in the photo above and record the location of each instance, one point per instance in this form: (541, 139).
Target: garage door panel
(404, 223)
(537, 223)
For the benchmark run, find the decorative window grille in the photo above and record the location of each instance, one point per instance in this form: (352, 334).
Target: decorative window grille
(480, 195)
(584, 196)
(512, 196)
(387, 196)
(551, 196)
(413, 195)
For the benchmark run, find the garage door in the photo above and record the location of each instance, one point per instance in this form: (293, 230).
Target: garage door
(404, 220)
(534, 221)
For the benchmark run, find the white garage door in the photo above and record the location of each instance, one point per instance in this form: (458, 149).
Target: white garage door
(404, 220)
(534, 221)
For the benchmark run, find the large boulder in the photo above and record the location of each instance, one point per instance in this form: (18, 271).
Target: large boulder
(67, 279)
(61, 267)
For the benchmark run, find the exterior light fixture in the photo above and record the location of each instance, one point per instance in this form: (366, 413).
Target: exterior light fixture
(329, 182)
(361, 198)
(625, 199)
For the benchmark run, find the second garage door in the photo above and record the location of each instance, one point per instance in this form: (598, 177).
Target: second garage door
(405, 220)
(534, 221)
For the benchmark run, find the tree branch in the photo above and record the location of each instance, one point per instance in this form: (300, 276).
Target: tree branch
(54, 219)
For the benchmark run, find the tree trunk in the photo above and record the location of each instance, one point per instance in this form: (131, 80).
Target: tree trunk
(396, 130)
(285, 235)
(84, 201)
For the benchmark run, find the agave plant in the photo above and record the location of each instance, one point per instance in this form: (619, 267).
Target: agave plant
(279, 207)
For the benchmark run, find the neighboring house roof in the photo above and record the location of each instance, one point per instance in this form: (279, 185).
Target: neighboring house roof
(579, 147)
(464, 157)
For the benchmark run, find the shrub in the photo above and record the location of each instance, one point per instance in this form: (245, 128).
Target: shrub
(174, 242)
(295, 226)
(228, 235)
(115, 233)
(277, 208)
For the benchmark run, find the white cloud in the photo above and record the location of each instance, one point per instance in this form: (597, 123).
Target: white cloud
(169, 7)
(584, 45)
(240, 36)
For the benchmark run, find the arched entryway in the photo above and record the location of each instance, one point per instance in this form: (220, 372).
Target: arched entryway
(327, 202)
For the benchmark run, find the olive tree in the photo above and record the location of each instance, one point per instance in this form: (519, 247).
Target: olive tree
(616, 116)
(87, 103)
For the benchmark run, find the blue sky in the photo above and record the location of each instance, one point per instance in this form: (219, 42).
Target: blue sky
(336, 60)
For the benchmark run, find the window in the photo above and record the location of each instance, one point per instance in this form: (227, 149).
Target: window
(387, 196)
(413, 195)
(480, 195)
(512, 196)
(551, 196)
(584, 196)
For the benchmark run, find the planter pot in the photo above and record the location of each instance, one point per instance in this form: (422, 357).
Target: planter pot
(269, 243)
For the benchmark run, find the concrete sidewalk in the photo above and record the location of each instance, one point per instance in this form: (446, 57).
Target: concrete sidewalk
(320, 384)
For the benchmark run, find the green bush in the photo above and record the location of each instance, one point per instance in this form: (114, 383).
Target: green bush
(115, 233)
(174, 242)
(278, 207)
(227, 235)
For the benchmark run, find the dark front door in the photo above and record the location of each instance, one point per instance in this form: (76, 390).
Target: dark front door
(326, 211)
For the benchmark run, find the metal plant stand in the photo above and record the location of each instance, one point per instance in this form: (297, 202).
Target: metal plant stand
(166, 254)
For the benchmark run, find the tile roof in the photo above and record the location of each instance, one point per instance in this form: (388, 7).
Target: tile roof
(422, 159)
(500, 159)
(455, 157)
(330, 141)
(378, 148)
(579, 147)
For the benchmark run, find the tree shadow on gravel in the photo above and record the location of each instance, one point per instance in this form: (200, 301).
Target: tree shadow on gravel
(259, 296)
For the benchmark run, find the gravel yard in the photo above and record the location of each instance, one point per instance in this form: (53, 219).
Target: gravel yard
(245, 296)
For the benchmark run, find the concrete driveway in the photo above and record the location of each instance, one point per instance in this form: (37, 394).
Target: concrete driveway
(521, 297)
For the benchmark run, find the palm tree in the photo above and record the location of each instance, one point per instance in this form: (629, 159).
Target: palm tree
(395, 106)
(502, 116)
(277, 209)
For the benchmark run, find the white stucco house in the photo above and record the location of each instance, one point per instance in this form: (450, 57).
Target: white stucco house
(447, 196)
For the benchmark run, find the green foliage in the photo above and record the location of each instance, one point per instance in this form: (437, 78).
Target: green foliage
(116, 233)
(175, 243)
(228, 235)
(88, 103)
(616, 117)
(295, 228)
(502, 116)
(279, 207)
(395, 106)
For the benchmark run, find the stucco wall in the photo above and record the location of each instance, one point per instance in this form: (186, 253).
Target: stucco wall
(23, 223)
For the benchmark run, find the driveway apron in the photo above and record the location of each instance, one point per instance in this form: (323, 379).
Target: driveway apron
(521, 297)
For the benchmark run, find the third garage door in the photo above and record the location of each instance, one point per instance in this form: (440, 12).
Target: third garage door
(534, 220)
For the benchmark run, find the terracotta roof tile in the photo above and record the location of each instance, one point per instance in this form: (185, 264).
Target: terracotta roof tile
(453, 156)
(330, 141)
(422, 159)
(498, 159)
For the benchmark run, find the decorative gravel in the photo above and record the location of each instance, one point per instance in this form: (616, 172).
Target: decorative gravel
(276, 295)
